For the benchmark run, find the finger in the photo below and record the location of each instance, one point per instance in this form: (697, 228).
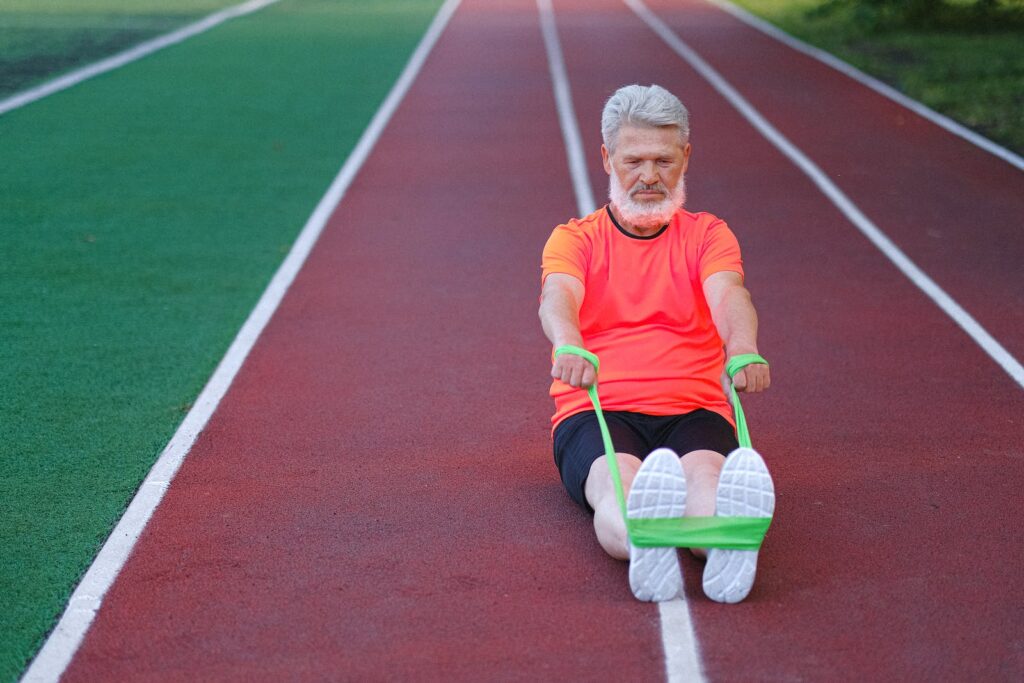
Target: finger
(753, 381)
(558, 370)
(589, 376)
(564, 365)
(565, 373)
(739, 380)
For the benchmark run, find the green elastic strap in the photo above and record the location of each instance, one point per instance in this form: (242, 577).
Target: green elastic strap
(736, 533)
(606, 437)
(735, 364)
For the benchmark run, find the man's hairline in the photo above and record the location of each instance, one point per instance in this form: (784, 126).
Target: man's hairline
(684, 141)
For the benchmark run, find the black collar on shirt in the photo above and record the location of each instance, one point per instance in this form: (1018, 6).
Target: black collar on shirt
(611, 215)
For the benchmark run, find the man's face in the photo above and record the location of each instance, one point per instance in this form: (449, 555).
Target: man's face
(646, 172)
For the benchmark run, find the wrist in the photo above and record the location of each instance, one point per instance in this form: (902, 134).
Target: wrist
(569, 340)
(740, 350)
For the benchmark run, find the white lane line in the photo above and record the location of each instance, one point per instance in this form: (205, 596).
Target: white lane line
(682, 656)
(566, 114)
(60, 647)
(682, 660)
(871, 82)
(130, 55)
(962, 318)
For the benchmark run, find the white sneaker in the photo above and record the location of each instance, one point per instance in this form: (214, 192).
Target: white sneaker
(744, 490)
(659, 490)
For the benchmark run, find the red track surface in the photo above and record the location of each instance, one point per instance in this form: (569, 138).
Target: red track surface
(375, 497)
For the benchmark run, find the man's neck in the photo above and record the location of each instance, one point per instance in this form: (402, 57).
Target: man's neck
(638, 230)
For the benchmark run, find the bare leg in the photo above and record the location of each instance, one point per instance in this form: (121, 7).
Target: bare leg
(702, 469)
(600, 492)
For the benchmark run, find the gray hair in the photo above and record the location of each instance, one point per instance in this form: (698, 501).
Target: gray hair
(640, 105)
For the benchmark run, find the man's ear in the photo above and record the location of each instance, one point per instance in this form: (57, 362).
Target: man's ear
(605, 160)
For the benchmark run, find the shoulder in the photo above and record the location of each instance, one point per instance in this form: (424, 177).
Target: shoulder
(571, 246)
(580, 231)
(701, 227)
(589, 226)
(700, 220)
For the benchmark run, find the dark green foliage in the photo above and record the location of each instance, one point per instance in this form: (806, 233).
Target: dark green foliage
(958, 15)
(965, 60)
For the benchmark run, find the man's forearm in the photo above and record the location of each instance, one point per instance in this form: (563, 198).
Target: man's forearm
(736, 321)
(560, 320)
(559, 316)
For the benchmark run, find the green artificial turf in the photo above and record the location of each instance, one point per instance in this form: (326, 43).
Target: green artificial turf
(142, 213)
(962, 63)
(40, 39)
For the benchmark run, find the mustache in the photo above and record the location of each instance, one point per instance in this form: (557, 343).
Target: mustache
(644, 187)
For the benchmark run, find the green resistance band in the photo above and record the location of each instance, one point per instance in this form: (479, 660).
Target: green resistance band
(734, 533)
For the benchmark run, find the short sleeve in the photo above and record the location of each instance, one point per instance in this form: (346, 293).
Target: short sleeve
(720, 251)
(567, 252)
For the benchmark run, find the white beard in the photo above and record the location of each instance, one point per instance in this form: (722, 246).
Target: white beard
(646, 214)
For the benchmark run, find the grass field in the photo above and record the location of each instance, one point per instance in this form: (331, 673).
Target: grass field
(41, 39)
(143, 212)
(971, 69)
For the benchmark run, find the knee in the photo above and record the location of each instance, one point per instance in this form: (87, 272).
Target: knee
(703, 464)
(599, 484)
(611, 532)
(600, 491)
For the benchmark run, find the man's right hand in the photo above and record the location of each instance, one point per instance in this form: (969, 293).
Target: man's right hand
(560, 301)
(574, 370)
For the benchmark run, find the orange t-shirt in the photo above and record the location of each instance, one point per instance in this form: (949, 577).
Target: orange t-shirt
(644, 312)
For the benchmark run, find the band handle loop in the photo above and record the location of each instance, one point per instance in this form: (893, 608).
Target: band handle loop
(735, 364)
(606, 437)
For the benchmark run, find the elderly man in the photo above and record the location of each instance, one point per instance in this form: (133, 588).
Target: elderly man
(655, 292)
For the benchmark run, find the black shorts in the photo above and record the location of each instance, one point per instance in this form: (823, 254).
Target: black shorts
(577, 440)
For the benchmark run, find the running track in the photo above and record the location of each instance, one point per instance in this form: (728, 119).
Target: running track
(374, 499)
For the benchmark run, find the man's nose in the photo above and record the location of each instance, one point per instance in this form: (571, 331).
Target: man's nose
(649, 173)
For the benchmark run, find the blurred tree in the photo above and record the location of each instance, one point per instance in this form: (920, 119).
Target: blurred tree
(963, 14)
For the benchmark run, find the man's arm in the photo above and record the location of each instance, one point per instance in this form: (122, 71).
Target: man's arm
(560, 301)
(736, 320)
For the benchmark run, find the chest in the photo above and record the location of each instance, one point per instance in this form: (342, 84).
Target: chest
(642, 282)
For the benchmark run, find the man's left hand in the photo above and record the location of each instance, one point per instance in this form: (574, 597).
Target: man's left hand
(752, 379)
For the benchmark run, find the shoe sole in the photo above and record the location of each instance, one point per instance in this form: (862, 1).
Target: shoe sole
(745, 489)
(659, 490)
